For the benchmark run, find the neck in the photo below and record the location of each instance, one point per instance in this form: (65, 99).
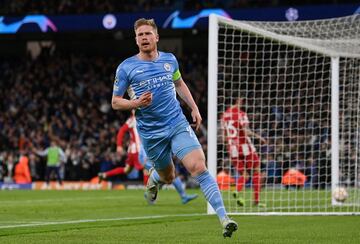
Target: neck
(148, 56)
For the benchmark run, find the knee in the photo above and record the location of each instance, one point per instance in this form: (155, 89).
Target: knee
(198, 167)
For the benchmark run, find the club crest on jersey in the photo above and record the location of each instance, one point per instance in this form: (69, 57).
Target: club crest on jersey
(116, 85)
(167, 66)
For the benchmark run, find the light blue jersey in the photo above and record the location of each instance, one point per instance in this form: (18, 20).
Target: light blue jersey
(137, 76)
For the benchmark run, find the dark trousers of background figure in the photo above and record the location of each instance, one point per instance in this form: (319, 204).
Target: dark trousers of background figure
(50, 169)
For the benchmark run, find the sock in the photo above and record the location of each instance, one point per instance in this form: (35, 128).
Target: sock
(179, 187)
(116, 171)
(256, 186)
(148, 165)
(145, 178)
(155, 177)
(212, 193)
(240, 183)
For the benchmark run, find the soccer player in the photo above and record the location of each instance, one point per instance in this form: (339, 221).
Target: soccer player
(137, 158)
(132, 159)
(55, 156)
(241, 150)
(152, 79)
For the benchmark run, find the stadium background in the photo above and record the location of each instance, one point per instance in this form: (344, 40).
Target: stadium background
(59, 82)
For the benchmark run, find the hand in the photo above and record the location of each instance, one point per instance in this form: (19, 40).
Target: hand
(195, 114)
(120, 150)
(145, 99)
(263, 140)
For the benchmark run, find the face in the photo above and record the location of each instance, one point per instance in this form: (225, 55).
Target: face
(239, 102)
(146, 38)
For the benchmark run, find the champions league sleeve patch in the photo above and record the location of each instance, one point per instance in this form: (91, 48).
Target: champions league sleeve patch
(116, 84)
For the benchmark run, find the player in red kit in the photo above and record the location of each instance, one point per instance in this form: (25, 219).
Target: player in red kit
(132, 160)
(241, 150)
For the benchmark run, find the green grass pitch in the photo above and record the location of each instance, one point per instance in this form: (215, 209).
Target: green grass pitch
(124, 217)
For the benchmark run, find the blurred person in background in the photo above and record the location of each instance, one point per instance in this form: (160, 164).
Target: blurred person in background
(132, 156)
(55, 156)
(241, 150)
(22, 171)
(3, 167)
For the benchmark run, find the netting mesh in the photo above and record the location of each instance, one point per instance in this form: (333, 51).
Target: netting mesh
(349, 120)
(286, 91)
(341, 35)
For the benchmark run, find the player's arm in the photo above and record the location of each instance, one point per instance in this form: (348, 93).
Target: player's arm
(251, 133)
(121, 84)
(184, 92)
(43, 152)
(119, 138)
(62, 155)
(120, 103)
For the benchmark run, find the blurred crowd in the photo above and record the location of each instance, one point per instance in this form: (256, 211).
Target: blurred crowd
(9, 7)
(66, 98)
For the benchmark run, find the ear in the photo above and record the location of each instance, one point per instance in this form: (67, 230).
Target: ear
(157, 37)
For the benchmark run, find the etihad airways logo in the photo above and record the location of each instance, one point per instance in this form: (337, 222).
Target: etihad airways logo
(156, 81)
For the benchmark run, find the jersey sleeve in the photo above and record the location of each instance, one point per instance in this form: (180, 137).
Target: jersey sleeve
(176, 73)
(121, 82)
(120, 135)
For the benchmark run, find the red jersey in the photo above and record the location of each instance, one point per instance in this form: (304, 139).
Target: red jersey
(129, 126)
(234, 121)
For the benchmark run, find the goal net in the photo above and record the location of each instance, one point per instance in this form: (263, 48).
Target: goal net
(300, 89)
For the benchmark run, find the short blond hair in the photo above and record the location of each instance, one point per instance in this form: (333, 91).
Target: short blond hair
(143, 21)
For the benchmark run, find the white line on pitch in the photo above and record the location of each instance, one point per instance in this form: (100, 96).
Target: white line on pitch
(20, 222)
(100, 220)
(62, 200)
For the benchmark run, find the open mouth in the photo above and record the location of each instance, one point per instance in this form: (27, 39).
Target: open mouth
(145, 44)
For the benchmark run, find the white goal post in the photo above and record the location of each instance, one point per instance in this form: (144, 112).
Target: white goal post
(300, 82)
